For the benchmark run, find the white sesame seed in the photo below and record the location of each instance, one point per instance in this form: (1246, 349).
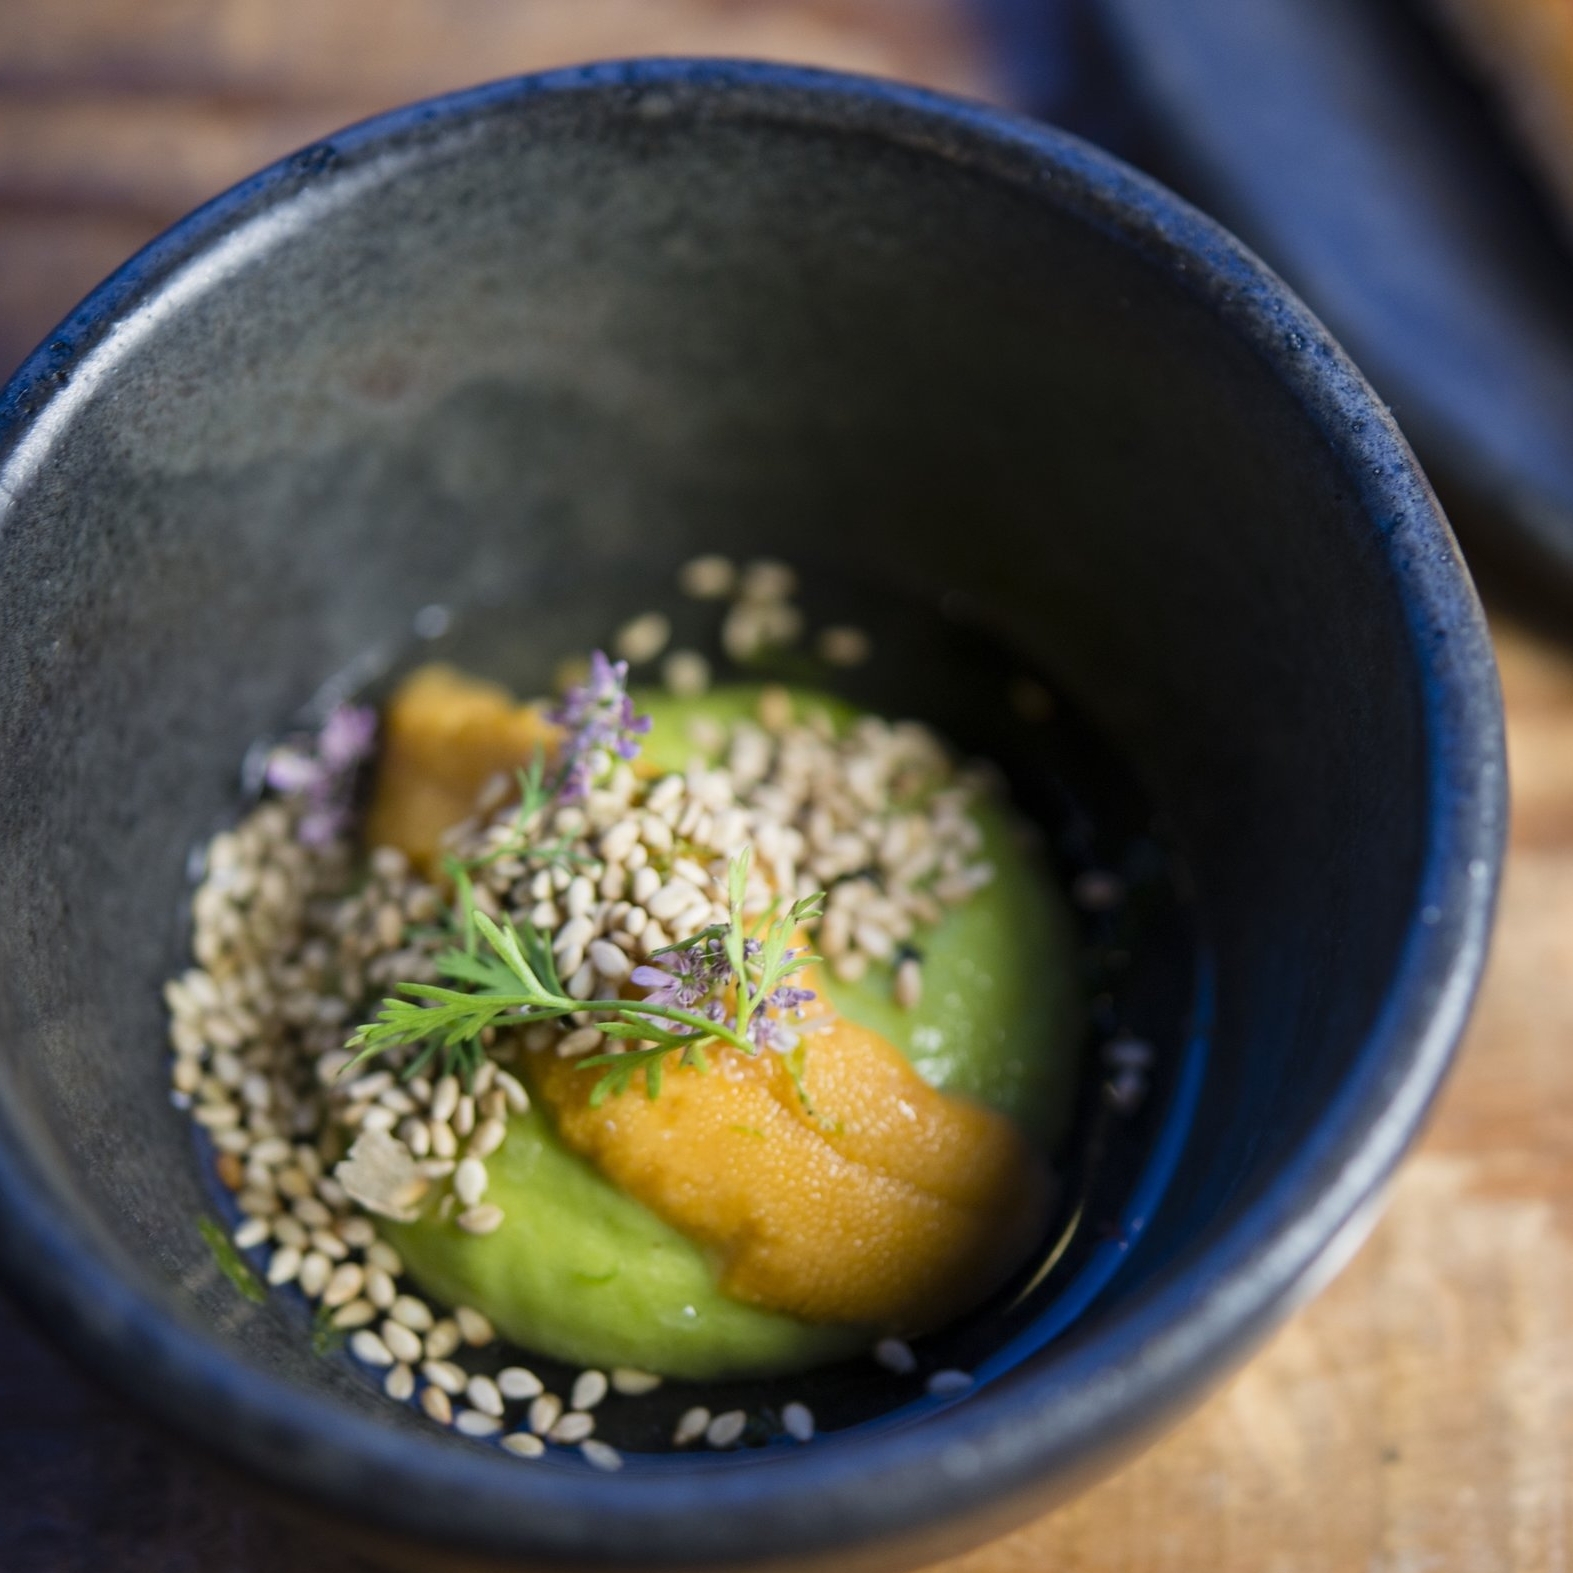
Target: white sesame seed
(643, 638)
(399, 1384)
(571, 1428)
(634, 1383)
(544, 1412)
(489, 1136)
(601, 1455)
(946, 1384)
(691, 1426)
(798, 1419)
(469, 1181)
(358, 1313)
(513, 1089)
(251, 1234)
(708, 578)
(437, 1406)
(366, 1346)
(476, 1330)
(471, 1422)
(484, 1395)
(284, 1265)
(726, 1428)
(315, 1271)
(582, 1040)
(525, 1445)
(907, 987)
(485, 1219)
(443, 1339)
(686, 673)
(380, 1289)
(517, 1382)
(767, 580)
(444, 1374)
(608, 960)
(589, 1389)
(445, 1098)
(1097, 891)
(895, 1355)
(401, 1342)
(844, 646)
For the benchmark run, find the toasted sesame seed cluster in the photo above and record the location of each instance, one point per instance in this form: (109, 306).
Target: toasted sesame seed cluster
(294, 942)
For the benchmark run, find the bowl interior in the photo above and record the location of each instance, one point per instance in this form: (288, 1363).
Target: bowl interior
(493, 356)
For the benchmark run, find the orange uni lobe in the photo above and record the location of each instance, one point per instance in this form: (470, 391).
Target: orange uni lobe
(444, 735)
(886, 1203)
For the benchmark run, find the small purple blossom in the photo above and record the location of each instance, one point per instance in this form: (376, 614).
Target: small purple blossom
(599, 717)
(696, 977)
(320, 771)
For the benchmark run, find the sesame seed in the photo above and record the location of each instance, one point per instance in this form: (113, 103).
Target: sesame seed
(366, 1346)
(443, 1339)
(947, 1384)
(726, 1429)
(469, 1181)
(251, 1234)
(707, 578)
(399, 1384)
(895, 1355)
(485, 1219)
(608, 960)
(843, 646)
(284, 1265)
(686, 673)
(314, 1274)
(517, 1382)
(446, 1375)
(691, 1426)
(643, 639)
(634, 1384)
(471, 1422)
(475, 1329)
(588, 1390)
(358, 1313)
(380, 1289)
(484, 1395)
(401, 1342)
(582, 1040)
(570, 1428)
(798, 1419)
(767, 580)
(380, 1254)
(544, 1413)
(600, 1455)
(1097, 891)
(907, 986)
(412, 1313)
(525, 1445)
(437, 1406)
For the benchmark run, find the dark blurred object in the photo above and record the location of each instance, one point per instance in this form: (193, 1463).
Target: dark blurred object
(1343, 141)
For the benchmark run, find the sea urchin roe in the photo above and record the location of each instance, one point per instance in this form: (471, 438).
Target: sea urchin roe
(880, 1201)
(444, 737)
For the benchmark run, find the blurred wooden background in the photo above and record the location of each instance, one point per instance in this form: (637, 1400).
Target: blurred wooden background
(1417, 1417)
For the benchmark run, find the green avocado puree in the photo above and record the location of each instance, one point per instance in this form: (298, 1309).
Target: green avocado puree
(580, 1271)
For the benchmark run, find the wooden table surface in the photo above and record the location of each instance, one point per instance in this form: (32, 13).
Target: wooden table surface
(1417, 1417)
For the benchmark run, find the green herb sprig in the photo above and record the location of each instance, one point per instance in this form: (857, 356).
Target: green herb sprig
(514, 983)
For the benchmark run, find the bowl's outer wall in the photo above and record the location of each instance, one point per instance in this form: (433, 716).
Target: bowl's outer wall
(492, 351)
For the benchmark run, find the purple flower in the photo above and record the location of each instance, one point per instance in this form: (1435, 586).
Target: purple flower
(320, 771)
(599, 717)
(678, 984)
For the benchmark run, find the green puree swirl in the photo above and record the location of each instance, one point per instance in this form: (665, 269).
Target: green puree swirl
(580, 1271)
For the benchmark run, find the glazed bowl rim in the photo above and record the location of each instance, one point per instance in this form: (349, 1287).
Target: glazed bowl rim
(1150, 1357)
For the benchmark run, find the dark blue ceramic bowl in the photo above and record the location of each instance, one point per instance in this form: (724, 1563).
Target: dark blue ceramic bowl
(491, 349)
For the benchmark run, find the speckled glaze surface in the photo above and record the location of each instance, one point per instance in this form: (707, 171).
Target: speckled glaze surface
(483, 349)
